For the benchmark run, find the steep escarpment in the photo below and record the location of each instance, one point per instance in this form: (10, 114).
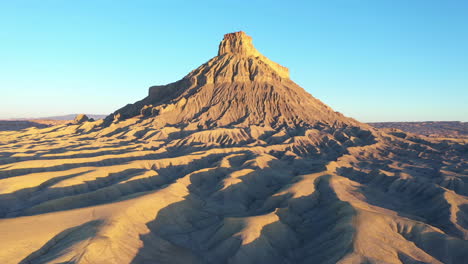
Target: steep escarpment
(234, 163)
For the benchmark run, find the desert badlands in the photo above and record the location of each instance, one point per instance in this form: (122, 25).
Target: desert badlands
(234, 163)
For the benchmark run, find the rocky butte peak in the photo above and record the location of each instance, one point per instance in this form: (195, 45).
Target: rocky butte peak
(237, 43)
(238, 88)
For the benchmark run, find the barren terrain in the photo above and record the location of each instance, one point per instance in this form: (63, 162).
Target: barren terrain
(235, 163)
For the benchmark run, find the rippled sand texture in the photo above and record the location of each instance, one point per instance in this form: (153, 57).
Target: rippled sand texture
(187, 177)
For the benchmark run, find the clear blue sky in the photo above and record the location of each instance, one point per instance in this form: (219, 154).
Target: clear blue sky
(387, 60)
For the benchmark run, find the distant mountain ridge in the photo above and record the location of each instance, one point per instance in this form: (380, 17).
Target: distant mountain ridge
(451, 129)
(15, 124)
(61, 117)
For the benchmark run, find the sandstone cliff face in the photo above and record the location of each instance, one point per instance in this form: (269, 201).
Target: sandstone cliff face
(234, 163)
(237, 43)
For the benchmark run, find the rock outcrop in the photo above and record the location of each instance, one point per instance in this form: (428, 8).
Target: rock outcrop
(81, 118)
(238, 88)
